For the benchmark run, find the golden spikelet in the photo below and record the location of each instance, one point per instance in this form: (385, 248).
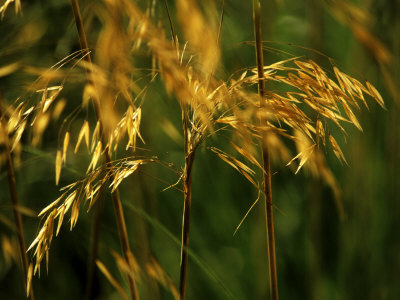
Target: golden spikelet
(82, 191)
(29, 280)
(314, 89)
(40, 124)
(95, 157)
(58, 165)
(18, 135)
(83, 133)
(336, 149)
(47, 100)
(236, 164)
(65, 147)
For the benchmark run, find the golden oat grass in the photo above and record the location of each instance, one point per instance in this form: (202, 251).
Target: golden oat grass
(103, 99)
(307, 102)
(334, 102)
(199, 95)
(74, 195)
(206, 104)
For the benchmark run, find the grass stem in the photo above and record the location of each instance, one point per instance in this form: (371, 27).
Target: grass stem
(12, 187)
(171, 25)
(265, 156)
(187, 187)
(221, 21)
(119, 213)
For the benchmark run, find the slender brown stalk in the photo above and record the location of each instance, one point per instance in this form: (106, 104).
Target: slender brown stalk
(265, 156)
(187, 189)
(123, 235)
(12, 187)
(187, 186)
(221, 21)
(171, 25)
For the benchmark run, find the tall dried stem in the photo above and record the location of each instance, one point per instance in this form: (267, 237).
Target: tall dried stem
(265, 156)
(187, 188)
(187, 184)
(187, 191)
(171, 25)
(119, 213)
(12, 187)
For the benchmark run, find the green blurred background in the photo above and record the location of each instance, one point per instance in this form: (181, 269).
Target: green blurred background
(318, 255)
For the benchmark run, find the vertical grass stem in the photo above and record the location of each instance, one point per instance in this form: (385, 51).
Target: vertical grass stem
(12, 187)
(265, 156)
(187, 189)
(119, 213)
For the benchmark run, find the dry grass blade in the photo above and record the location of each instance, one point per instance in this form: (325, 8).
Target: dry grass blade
(65, 147)
(29, 280)
(47, 100)
(84, 133)
(236, 164)
(58, 165)
(247, 155)
(336, 149)
(375, 94)
(248, 211)
(304, 156)
(84, 191)
(320, 132)
(95, 157)
(18, 135)
(39, 125)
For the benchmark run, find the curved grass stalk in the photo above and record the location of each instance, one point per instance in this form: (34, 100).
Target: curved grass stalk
(122, 231)
(265, 156)
(171, 25)
(12, 187)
